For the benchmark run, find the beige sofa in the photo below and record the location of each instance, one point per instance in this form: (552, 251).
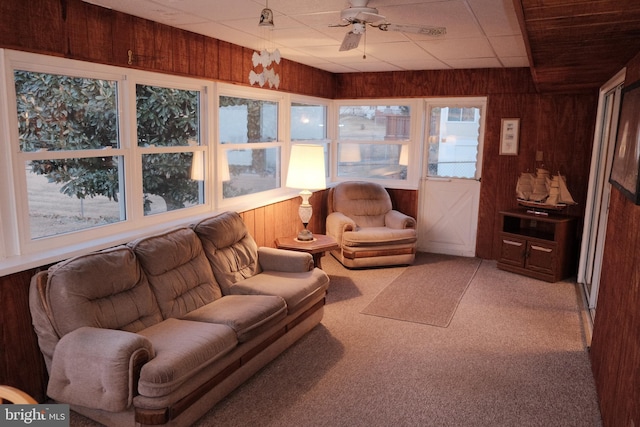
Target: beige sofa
(368, 230)
(155, 332)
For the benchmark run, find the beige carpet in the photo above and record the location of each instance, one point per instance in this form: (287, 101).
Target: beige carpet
(426, 292)
(514, 354)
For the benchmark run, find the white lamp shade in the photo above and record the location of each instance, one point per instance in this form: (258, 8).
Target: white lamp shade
(306, 167)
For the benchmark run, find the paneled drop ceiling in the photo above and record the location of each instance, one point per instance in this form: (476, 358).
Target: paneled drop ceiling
(578, 44)
(568, 44)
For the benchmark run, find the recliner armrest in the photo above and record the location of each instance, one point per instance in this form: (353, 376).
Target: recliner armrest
(338, 223)
(271, 259)
(98, 368)
(396, 219)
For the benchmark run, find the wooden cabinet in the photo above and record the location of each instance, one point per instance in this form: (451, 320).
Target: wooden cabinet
(536, 245)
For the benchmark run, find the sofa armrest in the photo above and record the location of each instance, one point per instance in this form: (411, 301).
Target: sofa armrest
(272, 259)
(98, 368)
(338, 223)
(396, 219)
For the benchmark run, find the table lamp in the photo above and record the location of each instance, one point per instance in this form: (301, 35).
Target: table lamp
(306, 172)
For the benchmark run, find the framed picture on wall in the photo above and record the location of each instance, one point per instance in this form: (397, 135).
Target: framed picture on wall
(509, 135)
(624, 172)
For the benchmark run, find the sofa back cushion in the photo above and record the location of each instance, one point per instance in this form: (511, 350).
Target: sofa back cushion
(231, 250)
(178, 271)
(105, 289)
(364, 202)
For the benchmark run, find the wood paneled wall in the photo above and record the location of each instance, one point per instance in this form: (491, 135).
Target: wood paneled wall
(559, 125)
(615, 348)
(21, 363)
(78, 30)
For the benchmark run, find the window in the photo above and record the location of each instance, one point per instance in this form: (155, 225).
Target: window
(168, 131)
(251, 151)
(453, 139)
(373, 141)
(309, 124)
(69, 145)
(95, 155)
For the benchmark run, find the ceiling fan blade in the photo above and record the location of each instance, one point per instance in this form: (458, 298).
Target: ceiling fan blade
(351, 41)
(415, 29)
(368, 17)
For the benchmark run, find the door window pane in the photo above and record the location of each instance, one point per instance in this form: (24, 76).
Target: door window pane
(453, 145)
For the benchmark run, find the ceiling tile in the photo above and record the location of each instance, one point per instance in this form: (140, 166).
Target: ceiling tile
(459, 49)
(507, 45)
(304, 33)
(473, 63)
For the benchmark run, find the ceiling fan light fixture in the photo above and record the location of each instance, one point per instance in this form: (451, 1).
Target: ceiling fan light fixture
(358, 28)
(359, 15)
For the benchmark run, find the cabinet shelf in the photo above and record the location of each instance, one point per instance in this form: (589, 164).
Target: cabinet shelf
(540, 247)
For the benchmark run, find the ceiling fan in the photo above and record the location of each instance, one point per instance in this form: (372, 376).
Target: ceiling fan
(359, 15)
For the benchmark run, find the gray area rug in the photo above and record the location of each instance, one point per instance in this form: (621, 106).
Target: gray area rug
(428, 291)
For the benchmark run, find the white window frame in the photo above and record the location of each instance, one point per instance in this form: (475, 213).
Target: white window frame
(414, 141)
(181, 83)
(27, 245)
(18, 254)
(262, 198)
(17, 250)
(330, 130)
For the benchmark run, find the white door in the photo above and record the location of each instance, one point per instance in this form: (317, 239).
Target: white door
(450, 184)
(597, 208)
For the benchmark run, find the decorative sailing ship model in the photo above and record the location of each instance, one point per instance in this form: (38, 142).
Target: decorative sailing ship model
(543, 191)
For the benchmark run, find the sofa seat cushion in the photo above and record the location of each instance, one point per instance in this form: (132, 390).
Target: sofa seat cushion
(247, 315)
(178, 270)
(182, 349)
(296, 288)
(377, 236)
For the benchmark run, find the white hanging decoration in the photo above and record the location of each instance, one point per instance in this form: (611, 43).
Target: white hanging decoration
(275, 56)
(256, 78)
(256, 59)
(264, 57)
(268, 75)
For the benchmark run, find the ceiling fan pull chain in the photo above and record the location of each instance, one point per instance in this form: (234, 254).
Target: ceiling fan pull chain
(364, 49)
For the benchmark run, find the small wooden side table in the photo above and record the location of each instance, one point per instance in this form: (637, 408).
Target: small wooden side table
(320, 244)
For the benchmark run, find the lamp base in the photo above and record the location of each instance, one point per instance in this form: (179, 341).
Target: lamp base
(305, 235)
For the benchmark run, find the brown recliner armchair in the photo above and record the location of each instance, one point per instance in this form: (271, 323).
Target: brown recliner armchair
(367, 228)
